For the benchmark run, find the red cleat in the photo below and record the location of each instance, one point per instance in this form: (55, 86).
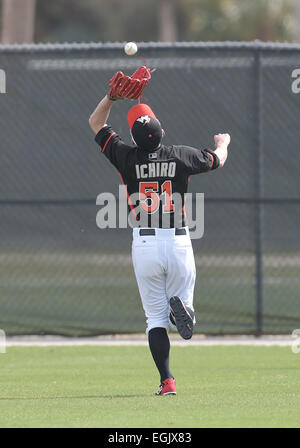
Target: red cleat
(167, 387)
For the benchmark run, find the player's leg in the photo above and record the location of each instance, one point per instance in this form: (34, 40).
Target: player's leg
(159, 344)
(180, 284)
(151, 280)
(182, 317)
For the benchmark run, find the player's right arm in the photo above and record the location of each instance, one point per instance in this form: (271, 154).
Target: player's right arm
(197, 161)
(221, 143)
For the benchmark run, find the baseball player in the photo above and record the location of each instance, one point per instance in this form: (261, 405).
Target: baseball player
(162, 254)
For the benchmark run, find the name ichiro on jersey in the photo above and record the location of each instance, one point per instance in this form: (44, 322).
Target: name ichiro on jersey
(155, 169)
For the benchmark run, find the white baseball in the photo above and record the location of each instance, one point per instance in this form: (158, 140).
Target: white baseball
(130, 48)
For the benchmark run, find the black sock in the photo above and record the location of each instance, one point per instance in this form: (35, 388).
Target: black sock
(160, 347)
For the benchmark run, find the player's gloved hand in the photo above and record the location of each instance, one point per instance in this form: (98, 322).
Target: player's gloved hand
(131, 87)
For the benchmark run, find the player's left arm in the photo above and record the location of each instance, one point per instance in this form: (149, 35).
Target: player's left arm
(112, 146)
(121, 87)
(99, 117)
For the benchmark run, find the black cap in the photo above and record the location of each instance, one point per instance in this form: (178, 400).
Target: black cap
(147, 133)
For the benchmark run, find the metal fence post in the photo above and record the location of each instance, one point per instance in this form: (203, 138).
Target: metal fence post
(259, 206)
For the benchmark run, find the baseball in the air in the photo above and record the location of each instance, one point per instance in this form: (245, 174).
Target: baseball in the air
(130, 48)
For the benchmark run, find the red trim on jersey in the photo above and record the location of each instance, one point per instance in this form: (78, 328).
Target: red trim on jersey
(183, 207)
(212, 159)
(128, 197)
(111, 135)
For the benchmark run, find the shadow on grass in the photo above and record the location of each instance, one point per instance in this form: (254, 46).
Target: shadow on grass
(109, 397)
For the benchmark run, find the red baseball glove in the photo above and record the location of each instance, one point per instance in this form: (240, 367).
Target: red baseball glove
(132, 87)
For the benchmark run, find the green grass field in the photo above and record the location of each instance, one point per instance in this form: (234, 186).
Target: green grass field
(114, 387)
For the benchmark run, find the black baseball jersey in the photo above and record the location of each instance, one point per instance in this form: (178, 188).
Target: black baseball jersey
(157, 180)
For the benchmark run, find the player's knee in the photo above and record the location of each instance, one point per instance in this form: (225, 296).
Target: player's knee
(157, 323)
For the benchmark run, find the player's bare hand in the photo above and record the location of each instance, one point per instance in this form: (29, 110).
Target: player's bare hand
(222, 139)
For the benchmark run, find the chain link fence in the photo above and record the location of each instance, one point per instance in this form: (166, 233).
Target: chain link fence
(60, 274)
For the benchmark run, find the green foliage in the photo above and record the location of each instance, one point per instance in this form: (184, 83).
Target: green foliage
(94, 20)
(206, 20)
(217, 20)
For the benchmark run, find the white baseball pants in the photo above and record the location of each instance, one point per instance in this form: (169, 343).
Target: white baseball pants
(164, 266)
